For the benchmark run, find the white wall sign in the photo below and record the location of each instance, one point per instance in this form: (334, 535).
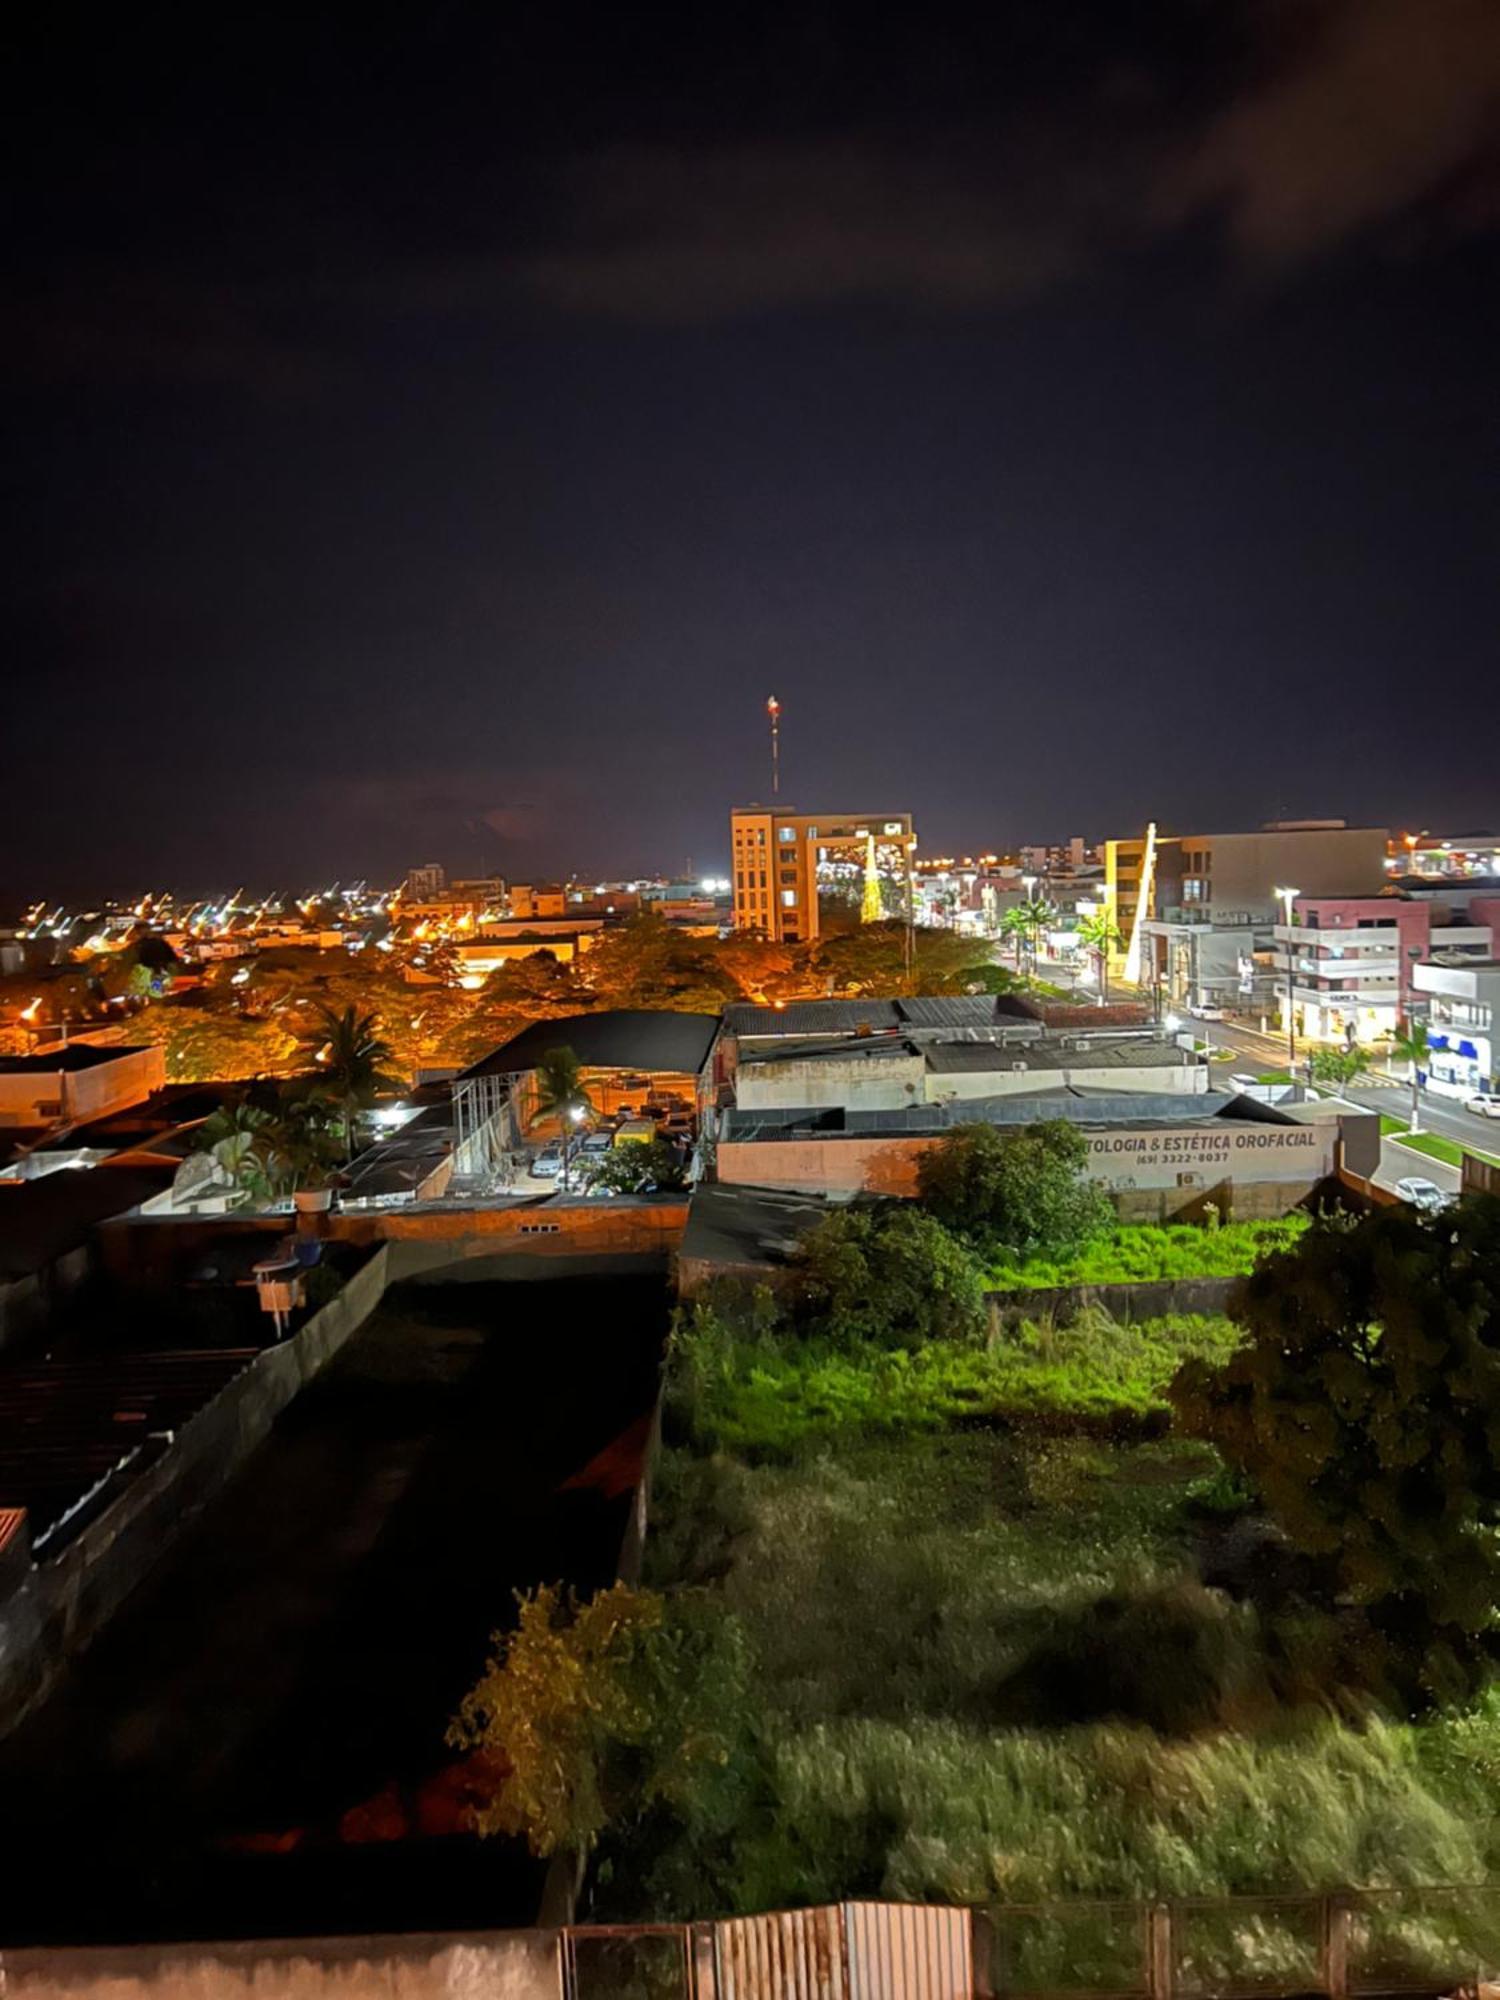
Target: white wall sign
(1189, 1155)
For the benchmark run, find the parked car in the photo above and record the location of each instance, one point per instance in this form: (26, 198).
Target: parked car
(1208, 1013)
(678, 1125)
(547, 1164)
(1483, 1105)
(1422, 1194)
(597, 1144)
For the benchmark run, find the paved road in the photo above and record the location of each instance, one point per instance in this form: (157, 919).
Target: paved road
(1382, 1091)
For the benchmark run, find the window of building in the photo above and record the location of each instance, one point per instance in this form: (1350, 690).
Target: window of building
(788, 874)
(787, 833)
(788, 899)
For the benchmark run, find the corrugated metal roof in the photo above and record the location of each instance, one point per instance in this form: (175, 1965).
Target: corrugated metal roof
(812, 1017)
(617, 1038)
(965, 1010)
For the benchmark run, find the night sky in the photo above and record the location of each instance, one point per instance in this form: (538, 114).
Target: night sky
(437, 436)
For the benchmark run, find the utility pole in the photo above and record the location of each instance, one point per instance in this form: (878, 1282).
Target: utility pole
(773, 710)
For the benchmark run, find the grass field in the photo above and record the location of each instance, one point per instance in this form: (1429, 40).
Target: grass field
(986, 1663)
(1433, 1144)
(1172, 1250)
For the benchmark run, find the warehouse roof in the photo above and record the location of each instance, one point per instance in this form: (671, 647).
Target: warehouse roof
(812, 1017)
(617, 1038)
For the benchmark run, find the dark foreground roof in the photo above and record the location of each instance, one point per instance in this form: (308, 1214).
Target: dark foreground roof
(619, 1038)
(739, 1225)
(42, 1219)
(76, 1056)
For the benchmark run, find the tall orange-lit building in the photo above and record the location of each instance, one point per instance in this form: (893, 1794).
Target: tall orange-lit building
(775, 854)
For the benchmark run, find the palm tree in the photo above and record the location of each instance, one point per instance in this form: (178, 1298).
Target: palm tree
(1014, 925)
(350, 1057)
(1036, 914)
(1101, 934)
(560, 1091)
(1409, 1045)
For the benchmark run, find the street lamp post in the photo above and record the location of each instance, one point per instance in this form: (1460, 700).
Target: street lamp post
(1288, 897)
(571, 1124)
(1028, 883)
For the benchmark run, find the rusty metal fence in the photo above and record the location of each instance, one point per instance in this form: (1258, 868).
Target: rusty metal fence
(1388, 1942)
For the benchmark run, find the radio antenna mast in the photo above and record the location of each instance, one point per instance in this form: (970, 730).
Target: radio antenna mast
(773, 709)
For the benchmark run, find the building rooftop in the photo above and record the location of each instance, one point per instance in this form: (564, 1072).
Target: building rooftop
(41, 1219)
(736, 1225)
(1093, 1107)
(616, 1038)
(1062, 1052)
(812, 1017)
(74, 1057)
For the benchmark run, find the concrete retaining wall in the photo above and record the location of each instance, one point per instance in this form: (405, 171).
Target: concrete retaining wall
(500, 1965)
(61, 1604)
(1150, 1299)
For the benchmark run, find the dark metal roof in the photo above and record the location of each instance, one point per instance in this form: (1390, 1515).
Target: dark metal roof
(618, 1038)
(66, 1427)
(738, 1225)
(812, 1017)
(965, 1010)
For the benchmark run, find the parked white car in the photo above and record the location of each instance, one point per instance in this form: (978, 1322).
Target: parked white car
(1425, 1195)
(1483, 1105)
(1208, 1013)
(548, 1164)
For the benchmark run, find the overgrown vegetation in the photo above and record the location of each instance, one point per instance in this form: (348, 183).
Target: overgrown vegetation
(1137, 1254)
(1364, 1407)
(995, 1632)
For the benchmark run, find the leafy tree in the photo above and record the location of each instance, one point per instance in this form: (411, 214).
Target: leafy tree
(871, 960)
(536, 988)
(1101, 934)
(642, 1167)
(597, 1714)
(1021, 1190)
(1365, 1411)
(1409, 1044)
(212, 1044)
(645, 962)
(350, 1056)
(889, 1277)
(1339, 1066)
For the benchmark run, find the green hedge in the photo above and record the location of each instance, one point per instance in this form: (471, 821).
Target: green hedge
(1134, 1255)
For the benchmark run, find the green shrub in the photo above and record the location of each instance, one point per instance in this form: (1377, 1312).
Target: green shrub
(1021, 1190)
(888, 1277)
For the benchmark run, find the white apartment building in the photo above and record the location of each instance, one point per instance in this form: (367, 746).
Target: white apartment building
(1463, 1004)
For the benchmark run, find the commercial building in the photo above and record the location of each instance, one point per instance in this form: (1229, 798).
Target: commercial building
(626, 1057)
(1229, 880)
(778, 857)
(1462, 1003)
(1454, 857)
(1354, 959)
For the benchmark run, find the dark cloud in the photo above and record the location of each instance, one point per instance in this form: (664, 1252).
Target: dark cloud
(707, 234)
(1365, 111)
